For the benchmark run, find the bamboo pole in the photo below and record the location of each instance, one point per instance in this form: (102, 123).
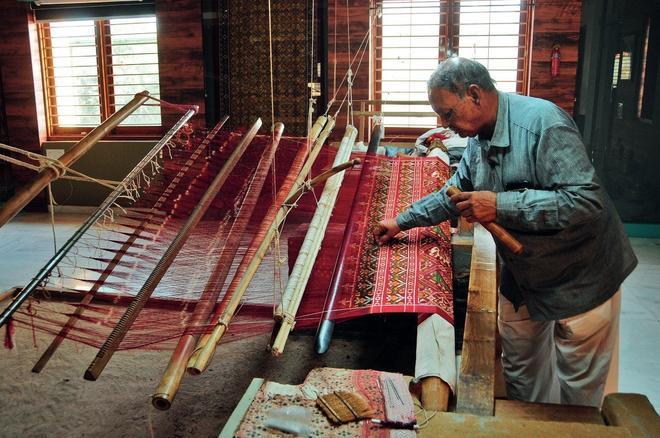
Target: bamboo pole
(327, 325)
(435, 394)
(89, 295)
(171, 380)
(126, 321)
(27, 193)
(221, 318)
(302, 269)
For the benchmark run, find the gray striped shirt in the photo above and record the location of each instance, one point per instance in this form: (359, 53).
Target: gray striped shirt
(548, 196)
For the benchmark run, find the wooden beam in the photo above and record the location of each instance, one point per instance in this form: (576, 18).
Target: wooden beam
(448, 424)
(632, 411)
(476, 381)
(516, 409)
(234, 422)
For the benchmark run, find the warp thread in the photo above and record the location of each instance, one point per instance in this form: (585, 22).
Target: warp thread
(9, 334)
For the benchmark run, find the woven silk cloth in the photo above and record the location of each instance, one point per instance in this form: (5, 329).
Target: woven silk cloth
(411, 274)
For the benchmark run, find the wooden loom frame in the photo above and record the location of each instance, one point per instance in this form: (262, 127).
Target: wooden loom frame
(476, 378)
(478, 412)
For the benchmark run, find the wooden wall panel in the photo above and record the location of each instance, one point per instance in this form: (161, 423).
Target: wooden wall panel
(555, 22)
(347, 24)
(180, 56)
(21, 101)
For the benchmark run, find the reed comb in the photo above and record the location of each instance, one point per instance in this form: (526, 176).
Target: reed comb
(344, 407)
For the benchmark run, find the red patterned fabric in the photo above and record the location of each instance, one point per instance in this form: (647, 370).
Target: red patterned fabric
(413, 274)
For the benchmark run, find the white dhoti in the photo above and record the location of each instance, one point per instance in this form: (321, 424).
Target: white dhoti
(436, 351)
(569, 361)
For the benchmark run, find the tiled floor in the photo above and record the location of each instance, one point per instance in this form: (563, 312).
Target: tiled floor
(640, 324)
(26, 244)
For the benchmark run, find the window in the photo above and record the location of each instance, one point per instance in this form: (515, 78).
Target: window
(413, 35)
(91, 68)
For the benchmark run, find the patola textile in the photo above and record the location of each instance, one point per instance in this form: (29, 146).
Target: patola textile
(413, 274)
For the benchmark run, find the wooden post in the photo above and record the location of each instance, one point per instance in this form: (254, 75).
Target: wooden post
(27, 193)
(435, 394)
(476, 381)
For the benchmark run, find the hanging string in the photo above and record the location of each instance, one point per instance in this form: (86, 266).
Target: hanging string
(356, 71)
(166, 104)
(270, 59)
(361, 49)
(334, 75)
(349, 73)
(312, 101)
(275, 246)
(51, 201)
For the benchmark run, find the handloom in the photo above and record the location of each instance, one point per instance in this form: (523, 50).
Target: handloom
(146, 242)
(114, 339)
(112, 256)
(129, 244)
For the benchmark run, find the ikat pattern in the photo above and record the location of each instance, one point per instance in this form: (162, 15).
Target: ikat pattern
(413, 274)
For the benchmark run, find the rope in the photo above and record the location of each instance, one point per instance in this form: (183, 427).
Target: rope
(51, 201)
(349, 80)
(166, 104)
(312, 101)
(270, 58)
(57, 166)
(334, 75)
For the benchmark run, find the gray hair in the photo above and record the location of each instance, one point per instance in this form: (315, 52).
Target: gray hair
(456, 74)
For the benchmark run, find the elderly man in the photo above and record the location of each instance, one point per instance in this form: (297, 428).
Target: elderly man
(526, 168)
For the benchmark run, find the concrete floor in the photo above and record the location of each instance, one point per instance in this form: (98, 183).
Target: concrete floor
(58, 402)
(640, 324)
(205, 403)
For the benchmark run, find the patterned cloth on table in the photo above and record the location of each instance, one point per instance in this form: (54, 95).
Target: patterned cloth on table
(318, 382)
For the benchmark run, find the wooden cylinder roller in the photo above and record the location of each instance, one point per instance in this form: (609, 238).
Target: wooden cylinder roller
(435, 394)
(499, 233)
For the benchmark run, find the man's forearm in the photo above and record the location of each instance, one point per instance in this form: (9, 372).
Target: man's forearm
(430, 210)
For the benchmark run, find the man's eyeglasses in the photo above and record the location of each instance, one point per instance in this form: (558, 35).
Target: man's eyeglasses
(447, 116)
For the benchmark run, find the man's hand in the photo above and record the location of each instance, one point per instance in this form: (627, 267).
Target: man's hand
(386, 230)
(476, 206)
